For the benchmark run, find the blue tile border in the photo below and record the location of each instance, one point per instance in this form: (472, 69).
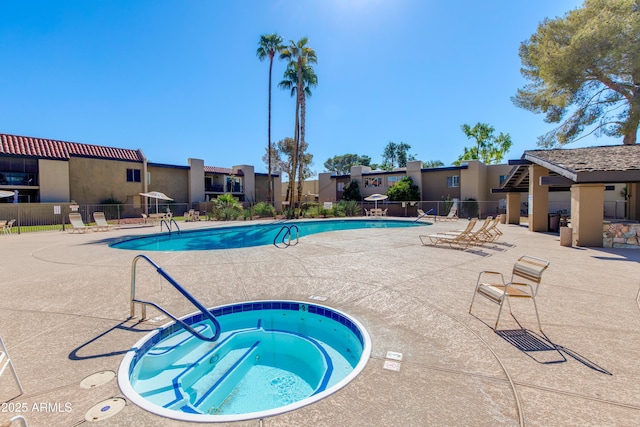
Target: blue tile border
(247, 307)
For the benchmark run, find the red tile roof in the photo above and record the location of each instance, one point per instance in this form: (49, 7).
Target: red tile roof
(216, 169)
(51, 149)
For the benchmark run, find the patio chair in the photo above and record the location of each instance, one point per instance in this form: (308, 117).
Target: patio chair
(525, 281)
(3, 224)
(101, 222)
(77, 224)
(196, 215)
(479, 236)
(461, 240)
(492, 232)
(451, 216)
(7, 226)
(366, 212)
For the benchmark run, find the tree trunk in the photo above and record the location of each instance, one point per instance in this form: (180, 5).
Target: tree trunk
(269, 177)
(301, 151)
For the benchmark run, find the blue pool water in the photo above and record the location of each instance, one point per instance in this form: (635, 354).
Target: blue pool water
(271, 357)
(245, 236)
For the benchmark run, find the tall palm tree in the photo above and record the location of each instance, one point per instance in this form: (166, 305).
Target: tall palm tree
(301, 55)
(290, 83)
(268, 46)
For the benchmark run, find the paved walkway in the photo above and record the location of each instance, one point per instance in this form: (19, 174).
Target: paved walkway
(65, 301)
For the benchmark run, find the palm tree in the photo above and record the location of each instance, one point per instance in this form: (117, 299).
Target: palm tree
(290, 83)
(301, 55)
(268, 46)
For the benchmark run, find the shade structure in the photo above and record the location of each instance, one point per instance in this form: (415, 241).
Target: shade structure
(375, 197)
(6, 193)
(156, 195)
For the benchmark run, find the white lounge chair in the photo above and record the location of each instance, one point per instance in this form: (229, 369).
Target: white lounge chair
(77, 224)
(101, 222)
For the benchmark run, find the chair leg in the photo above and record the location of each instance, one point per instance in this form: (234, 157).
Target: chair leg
(537, 315)
(499, 313)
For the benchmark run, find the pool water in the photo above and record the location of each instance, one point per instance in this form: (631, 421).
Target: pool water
(271, 357)
(246, 236)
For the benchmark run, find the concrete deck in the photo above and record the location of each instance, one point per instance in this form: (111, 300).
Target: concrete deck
(64, 306)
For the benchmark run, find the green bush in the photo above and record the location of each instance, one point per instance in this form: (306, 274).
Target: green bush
(349, 207)
(264, 210)
(226, 208)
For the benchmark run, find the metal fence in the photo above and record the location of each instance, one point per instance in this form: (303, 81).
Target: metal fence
(55, 216)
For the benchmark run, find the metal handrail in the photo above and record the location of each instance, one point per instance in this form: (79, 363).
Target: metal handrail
(286, 234)
(8, 362)
(206, 313)
(430, 211)
(168, 224)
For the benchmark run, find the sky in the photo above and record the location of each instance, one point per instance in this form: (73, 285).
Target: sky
(180, 79)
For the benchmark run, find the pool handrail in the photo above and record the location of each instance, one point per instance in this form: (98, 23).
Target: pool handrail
(430, 211)
(286, 234)
(168, 224)
(206, 313)
(5, 361)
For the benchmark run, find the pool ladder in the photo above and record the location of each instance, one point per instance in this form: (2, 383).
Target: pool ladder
(168, 224)
(286, 237)
(182, 290)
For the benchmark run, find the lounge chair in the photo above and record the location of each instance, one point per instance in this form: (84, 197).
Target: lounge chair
(451, 216)
(459, 240)
(479, 236)
(525, 281)
(492, 232)
(101, 222)
(7, 226)
(77, 224)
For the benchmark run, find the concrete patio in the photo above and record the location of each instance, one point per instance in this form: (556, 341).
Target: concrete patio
(65, 305)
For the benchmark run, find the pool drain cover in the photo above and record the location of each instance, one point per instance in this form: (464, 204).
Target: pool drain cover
(105, 409)
(97, 379)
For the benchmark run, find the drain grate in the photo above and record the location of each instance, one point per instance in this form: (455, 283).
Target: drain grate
(105, 409)
(97, 379)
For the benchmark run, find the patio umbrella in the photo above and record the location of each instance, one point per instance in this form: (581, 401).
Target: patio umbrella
(156, 195)
(376, 197)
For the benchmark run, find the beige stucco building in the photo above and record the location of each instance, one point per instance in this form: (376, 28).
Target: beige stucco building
(50, 171)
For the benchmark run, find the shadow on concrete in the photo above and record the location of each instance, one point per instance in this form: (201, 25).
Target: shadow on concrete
(74, 355)
(541, 349)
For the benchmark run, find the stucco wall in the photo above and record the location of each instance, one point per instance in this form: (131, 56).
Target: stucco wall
(434, 185)
(53, 179)
(172, 181)
(93, 180)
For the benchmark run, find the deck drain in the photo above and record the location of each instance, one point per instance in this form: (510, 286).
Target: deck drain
(105, 409)
(97, 379)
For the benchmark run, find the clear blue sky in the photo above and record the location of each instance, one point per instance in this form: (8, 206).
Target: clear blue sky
(181, 79)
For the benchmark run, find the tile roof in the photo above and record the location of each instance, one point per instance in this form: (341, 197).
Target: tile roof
(52, 149)
(604, 158)
(216, 169)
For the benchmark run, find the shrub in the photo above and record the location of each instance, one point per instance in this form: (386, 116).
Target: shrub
(264, 209)
(226, 208)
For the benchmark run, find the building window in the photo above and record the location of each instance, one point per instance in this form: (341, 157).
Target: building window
(502, 178)
(453, 181)
(340, 186)
(393, 180)
(133, 175)
(373, 182)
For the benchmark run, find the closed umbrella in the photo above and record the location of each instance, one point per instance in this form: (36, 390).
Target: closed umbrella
(6, 194)
(156, 195)
(376, 197)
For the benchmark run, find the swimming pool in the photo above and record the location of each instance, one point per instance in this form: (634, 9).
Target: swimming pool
(271, 357)
(242, 236)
